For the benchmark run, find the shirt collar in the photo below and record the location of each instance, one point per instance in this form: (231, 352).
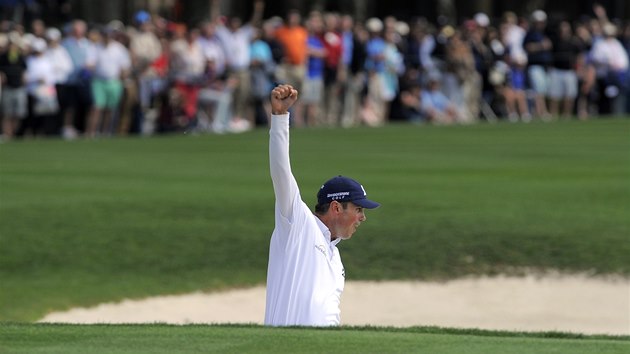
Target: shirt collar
(326, 232)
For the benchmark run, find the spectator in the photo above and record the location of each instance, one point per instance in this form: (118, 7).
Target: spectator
(478, 39)
(158, 71)
(145, 48)
(466, 83)
(14, 96)
(262, 67)
(313, 86)
(82, 53)
(512, 35)
(38, 28)
(292, 70)
(427, 49)
(189, 74)
(62, 68)
(112, 67)
(563, 83)
(508, 76)
(611, 65)
(213, 50)
(393, 69)
(355, 78)
(236, 39)
(215, 98)
(411, 107)
(42, 95)
(539, 57)
(269, 29)
(625, 41)
(333, 45)
(515, 90)
(379, 91)
(435, 105)
(585, 72)
(411, 54)
(127, 118)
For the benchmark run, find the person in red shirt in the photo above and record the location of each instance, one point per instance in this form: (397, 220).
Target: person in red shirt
(333, 44)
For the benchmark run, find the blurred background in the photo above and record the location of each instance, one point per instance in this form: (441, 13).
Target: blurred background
(86, 69)
(58, 11)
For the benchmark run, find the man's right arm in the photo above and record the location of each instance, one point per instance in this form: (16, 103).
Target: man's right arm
(284, 184)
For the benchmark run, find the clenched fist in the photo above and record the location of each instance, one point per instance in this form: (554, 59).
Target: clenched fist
(282, 98)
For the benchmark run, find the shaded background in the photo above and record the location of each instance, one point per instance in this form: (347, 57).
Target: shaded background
(55, 12)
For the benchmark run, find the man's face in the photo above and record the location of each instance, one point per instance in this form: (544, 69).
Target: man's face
(348, 219)
(294, 19)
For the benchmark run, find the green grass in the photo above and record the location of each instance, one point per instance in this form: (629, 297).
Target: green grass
(136, 339)
(93, 221)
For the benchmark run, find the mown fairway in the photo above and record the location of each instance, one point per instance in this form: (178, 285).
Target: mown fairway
(93, 221)
(137, 339)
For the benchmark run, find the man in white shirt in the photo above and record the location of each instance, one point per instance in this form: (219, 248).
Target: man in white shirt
(112, 67)
(62, 68)
(236, 39)
(611, 63)
(305, 276)
(40, 81)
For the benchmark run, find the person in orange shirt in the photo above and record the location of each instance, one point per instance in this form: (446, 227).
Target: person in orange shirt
(293, 37)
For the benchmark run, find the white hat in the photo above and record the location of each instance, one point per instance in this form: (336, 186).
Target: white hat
(4, 40)
(609, 29)
(53, 34)
(374, 25)
(38, 45)
(15, 37)
(519, 57)
(482, 19)
(27, 40)
(275, 21)
(402, 28)
(116, 25)
(539, 16)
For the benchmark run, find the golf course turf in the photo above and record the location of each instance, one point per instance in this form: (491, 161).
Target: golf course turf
(86, 222)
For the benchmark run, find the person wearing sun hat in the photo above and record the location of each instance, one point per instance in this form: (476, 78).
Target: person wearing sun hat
(305, 275)
(538, 47)
(14, 98)
(62, 68)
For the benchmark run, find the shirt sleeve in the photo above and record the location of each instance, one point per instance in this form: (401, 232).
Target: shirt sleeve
(284, 184)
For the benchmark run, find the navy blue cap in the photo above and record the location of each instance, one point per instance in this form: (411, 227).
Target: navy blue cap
(344, 189)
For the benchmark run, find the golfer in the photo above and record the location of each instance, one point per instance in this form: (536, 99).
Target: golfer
(305, 276)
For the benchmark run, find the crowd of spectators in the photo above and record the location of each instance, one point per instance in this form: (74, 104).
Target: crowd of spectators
(154, 75)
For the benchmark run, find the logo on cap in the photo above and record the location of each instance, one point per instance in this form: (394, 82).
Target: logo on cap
(344, 189)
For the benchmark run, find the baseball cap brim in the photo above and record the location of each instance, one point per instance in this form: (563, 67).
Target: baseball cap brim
(366, 203)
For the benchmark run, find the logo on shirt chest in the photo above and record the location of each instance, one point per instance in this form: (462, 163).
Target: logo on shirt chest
(322, 249)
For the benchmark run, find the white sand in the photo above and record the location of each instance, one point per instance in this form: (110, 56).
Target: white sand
(549, 303)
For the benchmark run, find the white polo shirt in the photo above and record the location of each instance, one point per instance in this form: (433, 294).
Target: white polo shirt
(305, 276)
(112, 60)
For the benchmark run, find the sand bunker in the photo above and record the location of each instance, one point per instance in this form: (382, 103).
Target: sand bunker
(548, 303)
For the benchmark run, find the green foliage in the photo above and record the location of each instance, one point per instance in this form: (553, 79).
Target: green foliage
(92, 221)
(115, 339)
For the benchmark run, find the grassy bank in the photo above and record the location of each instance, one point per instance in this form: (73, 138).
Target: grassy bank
(93, 221)
(117, 339)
